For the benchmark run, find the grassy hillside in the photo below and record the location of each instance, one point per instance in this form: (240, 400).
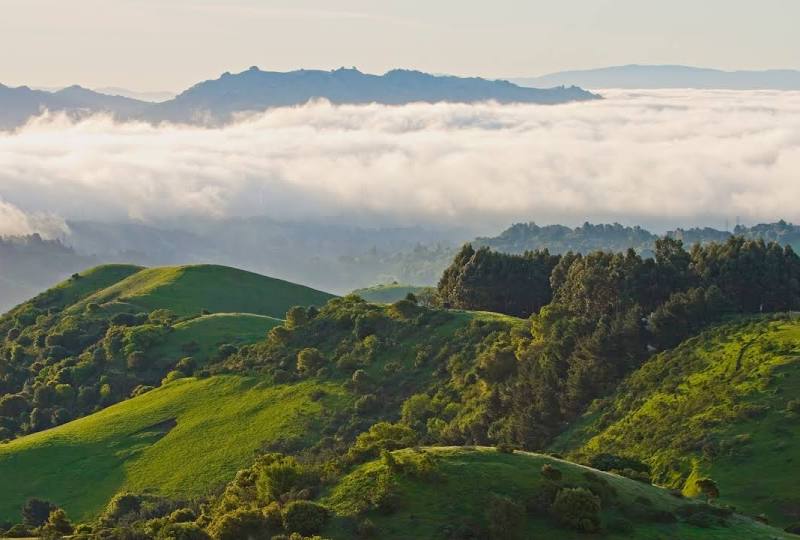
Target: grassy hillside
(179, 440)
(186, 290)
(450, 493)
(724, 404)
(94, 339)
(202, 336)
(192, 435)
(392, 292)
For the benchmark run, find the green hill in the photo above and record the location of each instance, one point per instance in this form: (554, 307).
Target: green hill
(180, 440)
(724, 405)
(190, 436)
(467, 492)
(99, 336)
(186, 290)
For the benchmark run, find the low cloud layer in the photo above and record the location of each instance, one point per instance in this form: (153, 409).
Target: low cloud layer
(672, 157)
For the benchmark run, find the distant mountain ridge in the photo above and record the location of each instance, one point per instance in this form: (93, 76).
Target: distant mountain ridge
(668, 76)
(216, 101)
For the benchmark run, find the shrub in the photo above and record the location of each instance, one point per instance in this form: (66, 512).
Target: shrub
(309, 360)
(241, 523)
(57, 525)
(182, 515)
(366, 404)
(279, 475)
(708, 487)
(505, 518)
(577, 508)
(120, 506)
(382, 436)
(35, 512)
(304, 517)
(182, 531)
(296, 316)
(551, 473)
(505, 448)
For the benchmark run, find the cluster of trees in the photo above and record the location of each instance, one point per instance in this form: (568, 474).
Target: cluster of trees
(57, 364)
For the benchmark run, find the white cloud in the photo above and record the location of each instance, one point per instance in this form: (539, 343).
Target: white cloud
(656, 156)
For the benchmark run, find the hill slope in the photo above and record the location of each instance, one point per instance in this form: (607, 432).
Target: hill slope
(724, 404)
(192, 435)
(181, 440)
(94, 339)
(186, 290)
(450, 493)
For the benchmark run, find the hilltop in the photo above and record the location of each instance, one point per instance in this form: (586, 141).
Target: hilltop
(117, 330)
(722, 404)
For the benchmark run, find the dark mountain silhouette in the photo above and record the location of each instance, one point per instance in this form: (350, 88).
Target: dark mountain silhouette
(645, 76)
(217, 100)
(18, 105)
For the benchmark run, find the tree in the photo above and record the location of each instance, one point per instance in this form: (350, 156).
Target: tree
(35, 512)
(304, 517)
(309, 360)
(708, 487)
(505, 518)
(577, 508)
(57, 525)
(296, 316)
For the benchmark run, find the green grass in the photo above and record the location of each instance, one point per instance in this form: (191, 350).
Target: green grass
(389, 293)
(715, 406)
(186, 290)
(179, 440)
(208, 332)
(458, 491)
(87, 283)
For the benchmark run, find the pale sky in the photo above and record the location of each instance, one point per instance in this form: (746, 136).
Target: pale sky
(171, 44)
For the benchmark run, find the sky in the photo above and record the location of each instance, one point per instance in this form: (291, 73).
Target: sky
(169, 45)
(661, 159)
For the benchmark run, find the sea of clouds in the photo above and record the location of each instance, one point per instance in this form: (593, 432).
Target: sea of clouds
(682, 157)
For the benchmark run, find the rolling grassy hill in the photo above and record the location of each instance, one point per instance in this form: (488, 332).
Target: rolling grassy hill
(452, 495)
(190, 436)
(723, 404)
(186, 290)
(179, 440)
(208, 332)
(103, 333)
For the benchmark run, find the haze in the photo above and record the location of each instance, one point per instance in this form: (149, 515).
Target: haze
(152, 45)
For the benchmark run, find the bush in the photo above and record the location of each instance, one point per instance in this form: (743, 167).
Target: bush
(182, 531)
(577, 508)
(505, 518)
(57, 524)
(35, 512)
(241, 523)
(120, 506)
(309, 361)
(367, 529)
(551, 473)
(279, 475)
(304, 517)
(366, 404)
(182, 515)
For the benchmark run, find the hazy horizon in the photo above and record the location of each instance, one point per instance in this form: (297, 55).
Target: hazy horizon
(152, 46)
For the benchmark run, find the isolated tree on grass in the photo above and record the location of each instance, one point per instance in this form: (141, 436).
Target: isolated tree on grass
(708, 488)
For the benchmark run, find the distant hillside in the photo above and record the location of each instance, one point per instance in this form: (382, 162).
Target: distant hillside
(29, 264)
(118, 330)
(18, 105)
(255, 90)
(723, 404)
(643, 76)
(392, 292)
